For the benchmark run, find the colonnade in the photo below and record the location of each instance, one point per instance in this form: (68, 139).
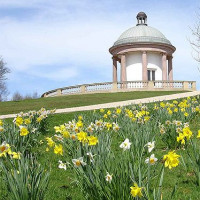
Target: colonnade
(166, 61)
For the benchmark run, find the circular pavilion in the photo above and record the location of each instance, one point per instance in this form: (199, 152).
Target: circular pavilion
(144, 52)
(145, 55)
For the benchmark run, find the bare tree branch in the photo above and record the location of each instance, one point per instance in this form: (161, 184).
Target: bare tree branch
(195, 42)
(3, 71)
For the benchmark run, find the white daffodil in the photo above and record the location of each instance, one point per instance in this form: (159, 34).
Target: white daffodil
(78, 162)
(58, 137)
(115, 127)
(108, 177)
(151, 146)
(3, 147)
(125, 145)
(151, 160)
(62, 165)
(91, 156)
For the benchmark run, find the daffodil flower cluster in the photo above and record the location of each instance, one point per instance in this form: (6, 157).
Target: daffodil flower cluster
(5, 150)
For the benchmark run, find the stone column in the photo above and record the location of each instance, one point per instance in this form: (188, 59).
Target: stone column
(144, 66)
(164, 67)
(170, 70)
(114, 69)
(123, 67)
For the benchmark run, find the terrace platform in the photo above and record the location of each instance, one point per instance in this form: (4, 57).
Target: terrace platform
(125, 86)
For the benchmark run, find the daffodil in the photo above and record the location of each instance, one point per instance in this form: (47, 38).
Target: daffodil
(58, 149)
(23, 131)
(150, 146)
(1, 122)
(50, 142)
(181, 138)
(136, 191)
(91, 156)
(126, 144)
(78, 162)
(4, 149)
(65, 134)
(151, 160)
(82, 136)
(187, 133)
(171, 159)
(27, 121)
(18, 121)
(92, 140)
(58, 137)
(198, 135)
(108, 177)
(62, 165)
(16, 155)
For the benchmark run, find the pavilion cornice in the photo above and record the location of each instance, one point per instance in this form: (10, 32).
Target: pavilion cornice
(155, 47)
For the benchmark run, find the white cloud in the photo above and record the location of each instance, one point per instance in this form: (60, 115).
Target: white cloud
(77, 34)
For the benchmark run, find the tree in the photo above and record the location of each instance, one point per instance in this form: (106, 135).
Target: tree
(3, 71)
(195, 42)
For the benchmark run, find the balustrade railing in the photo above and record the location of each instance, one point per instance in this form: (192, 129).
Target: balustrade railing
(123, 87)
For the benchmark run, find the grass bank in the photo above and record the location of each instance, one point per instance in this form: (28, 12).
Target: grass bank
(76, 100)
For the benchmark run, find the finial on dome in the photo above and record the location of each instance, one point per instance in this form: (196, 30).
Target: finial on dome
(141, 18)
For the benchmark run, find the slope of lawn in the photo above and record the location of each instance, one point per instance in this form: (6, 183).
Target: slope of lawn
(63, 184)
(76, 100)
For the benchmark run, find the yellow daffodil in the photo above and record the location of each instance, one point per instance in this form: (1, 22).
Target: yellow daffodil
(92, 140)
(65, 134)
(118, 111)
(198, 135)
(82, 136)
(181, 138)
(39, 119)
(50, 142)
(23, 131)
(19, 121)
(136, 191)
(108, 112)
(171, 159)
(102, 110)
(58, 149)
(16, 155)
(187, 132)
(79, 124)
(27, 121)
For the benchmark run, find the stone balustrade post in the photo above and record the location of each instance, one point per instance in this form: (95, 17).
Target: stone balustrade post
(83, 88)
(194, 86)
(59, 92)
(150, 85)
(114, 87)
(185, 85)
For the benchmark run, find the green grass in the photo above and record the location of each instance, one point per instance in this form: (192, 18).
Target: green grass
(76, 100)
(62, 185)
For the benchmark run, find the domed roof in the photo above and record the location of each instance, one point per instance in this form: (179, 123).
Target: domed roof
(141, 33)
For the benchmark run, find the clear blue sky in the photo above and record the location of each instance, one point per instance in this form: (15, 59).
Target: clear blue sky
(49, 44)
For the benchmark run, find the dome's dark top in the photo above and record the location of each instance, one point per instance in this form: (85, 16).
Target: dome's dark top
(141, 14)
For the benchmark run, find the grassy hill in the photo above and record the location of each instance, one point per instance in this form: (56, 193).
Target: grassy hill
(76, 100)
